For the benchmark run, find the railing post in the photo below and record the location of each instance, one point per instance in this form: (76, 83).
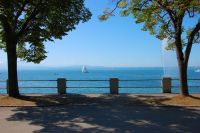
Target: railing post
(166, 84)
(114, 86)
(61, 86)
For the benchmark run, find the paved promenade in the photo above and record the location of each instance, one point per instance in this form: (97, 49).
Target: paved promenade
(93, 115)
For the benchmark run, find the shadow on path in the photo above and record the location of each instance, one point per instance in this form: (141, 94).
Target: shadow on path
(108, 114)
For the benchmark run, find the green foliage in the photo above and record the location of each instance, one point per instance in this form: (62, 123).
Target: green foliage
(103, 17)
(171, 44)
(32, 53)
(196, 37)
(33, 22)
(122, 4)
(125, 13)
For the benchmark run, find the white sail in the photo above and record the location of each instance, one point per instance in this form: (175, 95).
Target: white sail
(197, 71)
(84, 69)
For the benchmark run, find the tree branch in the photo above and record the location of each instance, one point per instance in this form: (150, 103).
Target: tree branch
(9, 34)
(190, 41)
(18, 14)
(32, 16)
(25, 25)
(169, 12)
(2, 19)
(4, 22)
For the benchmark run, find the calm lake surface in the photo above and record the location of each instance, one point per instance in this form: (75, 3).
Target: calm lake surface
(99, 74)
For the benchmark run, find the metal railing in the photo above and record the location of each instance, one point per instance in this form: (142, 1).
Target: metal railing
(140, 80)
(87, 86)
(113, 84)
(190, 86)
(2, 81)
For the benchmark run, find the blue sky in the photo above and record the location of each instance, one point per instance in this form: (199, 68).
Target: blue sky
(118, 42)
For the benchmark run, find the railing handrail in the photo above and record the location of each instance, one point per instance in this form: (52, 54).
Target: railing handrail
(140, 87)
(85, 80)
(188, 78)
(35, 80)
(99, 79)
(26, 87)
(138, 79)
(191, 86)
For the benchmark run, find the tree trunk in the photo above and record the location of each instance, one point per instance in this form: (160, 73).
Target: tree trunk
(13, 89)
(182, 66)
(183, 78)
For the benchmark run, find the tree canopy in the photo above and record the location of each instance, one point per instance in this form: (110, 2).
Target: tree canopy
(30, 23)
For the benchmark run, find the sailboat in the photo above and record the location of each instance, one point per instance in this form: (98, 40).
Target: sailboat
(84, 69)
(197, 70)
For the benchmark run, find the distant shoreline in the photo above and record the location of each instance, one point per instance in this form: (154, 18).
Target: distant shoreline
(93, 68)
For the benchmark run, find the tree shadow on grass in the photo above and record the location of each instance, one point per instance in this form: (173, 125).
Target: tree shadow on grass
(117, 114)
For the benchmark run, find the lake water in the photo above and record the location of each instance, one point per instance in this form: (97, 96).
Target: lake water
(99, 74)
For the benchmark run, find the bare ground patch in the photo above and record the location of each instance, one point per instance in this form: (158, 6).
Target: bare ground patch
(179, 100)
(32, 100)
(103, 99)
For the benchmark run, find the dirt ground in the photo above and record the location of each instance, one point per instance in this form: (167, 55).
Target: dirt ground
(124, 99)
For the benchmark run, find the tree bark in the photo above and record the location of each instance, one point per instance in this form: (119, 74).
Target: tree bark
(183, 78)
(182, 66)
(13, 89)
(11, 44)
